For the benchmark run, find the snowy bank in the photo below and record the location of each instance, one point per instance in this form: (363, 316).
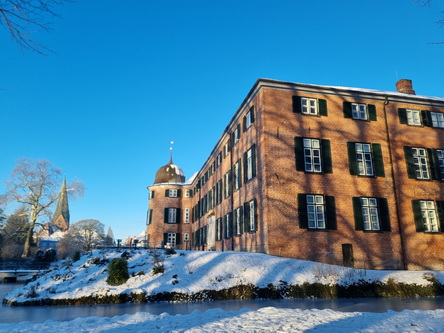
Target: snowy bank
(197, 275)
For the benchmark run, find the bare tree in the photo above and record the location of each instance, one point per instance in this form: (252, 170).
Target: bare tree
(22, 17)
(34, 186)
(83, 235)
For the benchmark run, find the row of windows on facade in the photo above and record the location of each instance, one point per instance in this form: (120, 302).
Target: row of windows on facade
(318, 212)
(365, 159)
(247, 122)
(361, 111)
(241, 220)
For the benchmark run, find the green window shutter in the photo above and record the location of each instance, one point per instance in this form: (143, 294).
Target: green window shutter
(322, 105)
(246, 217)
(297, 104)
(165, 238)
(152, 194)
(244, 123)
(177, 215)
(253, 158)
(241, 220)
(417, 214)
(440, 208)
(378, 160)
(239, 184)
(167, 193)
(245, 167)
(371, 112)
(177, 238)
(384, 214)
(326, 156)
(433, 163)
(426, 118)
(239, 131)
(302, 210)
(230, 214)
(299, 153)
(252, 114)
(357, 210)
(179, 193)
(402, 112)
(409, 162)
(255, 214)
(330, 208)
(347, 108)
(165, 215)
(352, 161)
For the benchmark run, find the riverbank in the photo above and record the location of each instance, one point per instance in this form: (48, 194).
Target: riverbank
(193, 275)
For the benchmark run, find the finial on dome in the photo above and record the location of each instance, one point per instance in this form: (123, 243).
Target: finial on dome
(171, 152)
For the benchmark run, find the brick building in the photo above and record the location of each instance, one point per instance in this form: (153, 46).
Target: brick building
(338, 175)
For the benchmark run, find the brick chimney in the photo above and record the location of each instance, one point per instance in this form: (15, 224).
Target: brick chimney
(405, 86)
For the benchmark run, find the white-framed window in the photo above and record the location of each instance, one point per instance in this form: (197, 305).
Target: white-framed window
(238, 222)
(187, 215)
(172, 215)
(188, 193)
(252, 221)
(227, 184)
(413, 117)
(228, 226)
(172, 193)
(171, 239)
(227, 148)
(219, 159)
(364, 159)
(316, 211)
(249, 117)
(421, 164)
(219, 192)
(149, 216)
(151, 196)
(437, 119)
(236, 135)
(237, 174)
(186, 237)
(312, 155)
(429, 216)
(370, 214)
(218, 229)
(440, 154)
(359, 111)
(309, 106)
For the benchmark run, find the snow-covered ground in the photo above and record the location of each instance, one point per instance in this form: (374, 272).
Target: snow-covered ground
(193, 271)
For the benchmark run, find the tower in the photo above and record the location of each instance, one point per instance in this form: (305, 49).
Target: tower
(60, 218)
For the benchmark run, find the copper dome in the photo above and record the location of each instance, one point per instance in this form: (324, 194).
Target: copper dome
(169, 173)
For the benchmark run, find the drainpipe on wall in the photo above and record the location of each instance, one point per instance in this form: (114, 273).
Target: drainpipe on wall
(395, 192)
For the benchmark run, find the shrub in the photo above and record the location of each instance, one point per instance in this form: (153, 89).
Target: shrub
(117, 272)
(170, 251)
(76, 256)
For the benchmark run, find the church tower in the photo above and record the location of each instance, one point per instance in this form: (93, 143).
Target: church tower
(61, 214)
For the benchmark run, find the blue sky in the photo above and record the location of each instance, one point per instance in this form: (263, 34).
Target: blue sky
(126, 78)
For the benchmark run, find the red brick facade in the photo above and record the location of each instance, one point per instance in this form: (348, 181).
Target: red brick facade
(357, 153)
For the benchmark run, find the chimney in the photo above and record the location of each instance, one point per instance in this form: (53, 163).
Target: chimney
(405, 86)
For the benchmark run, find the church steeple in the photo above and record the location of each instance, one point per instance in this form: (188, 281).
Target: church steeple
(61, 214)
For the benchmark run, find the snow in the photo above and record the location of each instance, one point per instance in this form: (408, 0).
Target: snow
(263, 320)
(193, 271)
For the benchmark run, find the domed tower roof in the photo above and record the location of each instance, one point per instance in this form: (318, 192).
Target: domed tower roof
(169, 173)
